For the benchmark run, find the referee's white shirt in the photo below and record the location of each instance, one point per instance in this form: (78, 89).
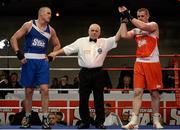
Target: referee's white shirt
(91, 54)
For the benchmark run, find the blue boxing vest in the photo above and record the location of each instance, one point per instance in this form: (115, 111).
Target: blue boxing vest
(36, 40)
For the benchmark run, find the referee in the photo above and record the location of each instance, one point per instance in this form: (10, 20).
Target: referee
(92, 51)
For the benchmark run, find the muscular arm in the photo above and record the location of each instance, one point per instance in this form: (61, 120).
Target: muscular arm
(67, 50)
(59, 52)
(118, 35)
(124, 33)
(55, 41)
(55, 53)
(19, 34)
(151, 27)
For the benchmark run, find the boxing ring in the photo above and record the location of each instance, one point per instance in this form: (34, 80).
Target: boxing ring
(113, 97)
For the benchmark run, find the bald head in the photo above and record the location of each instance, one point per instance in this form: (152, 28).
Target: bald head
(95, 26)
(44, 14)
(94, 31)
(42, 10)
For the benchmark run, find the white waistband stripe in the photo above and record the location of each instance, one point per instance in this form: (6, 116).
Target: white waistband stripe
(34, 56)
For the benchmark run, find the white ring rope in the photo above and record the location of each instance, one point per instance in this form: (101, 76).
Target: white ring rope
(35, 107)
(54, 69)
(15, 57)
(50, 89)
(109, 56)
(9, 57)
(67, 69)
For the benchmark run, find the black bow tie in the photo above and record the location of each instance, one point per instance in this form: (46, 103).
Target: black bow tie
(92, 40)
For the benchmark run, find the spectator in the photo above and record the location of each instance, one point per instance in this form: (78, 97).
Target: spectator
(13, 81)
(127, 83)
(5, 73)
(76, 82)
(64, 84)
(127, 73)
(56, 119)
(60, 119)
(11, 119)
(169, 76)
(52, 118)
(110, 117)
(77, 121)
(54, 83)
(19, 117)
(125, 118)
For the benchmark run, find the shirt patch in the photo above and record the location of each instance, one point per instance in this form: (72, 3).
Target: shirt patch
(142, 42)
(99, 50)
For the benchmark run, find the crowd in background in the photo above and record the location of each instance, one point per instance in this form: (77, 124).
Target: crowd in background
(58, 118)
(125, 81)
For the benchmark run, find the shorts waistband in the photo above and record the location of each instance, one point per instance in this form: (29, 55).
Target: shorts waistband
(91, 69)
(34, 56)
(149, 59)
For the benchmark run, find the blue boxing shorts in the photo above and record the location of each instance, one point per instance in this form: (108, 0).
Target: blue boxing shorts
(34, 73)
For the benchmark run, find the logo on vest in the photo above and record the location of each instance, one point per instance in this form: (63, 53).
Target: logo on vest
(38, 43)
(141, 42)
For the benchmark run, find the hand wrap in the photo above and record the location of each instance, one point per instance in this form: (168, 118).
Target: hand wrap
(20, 55)
(50, 58)
(128, 15)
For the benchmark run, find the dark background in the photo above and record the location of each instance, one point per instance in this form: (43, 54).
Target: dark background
(163, 8)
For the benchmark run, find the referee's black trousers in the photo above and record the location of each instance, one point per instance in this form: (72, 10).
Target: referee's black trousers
(92, 80)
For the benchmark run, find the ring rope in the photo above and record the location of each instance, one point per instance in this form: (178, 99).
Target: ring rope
(60, 89)
(110, 69)
(109, 56)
